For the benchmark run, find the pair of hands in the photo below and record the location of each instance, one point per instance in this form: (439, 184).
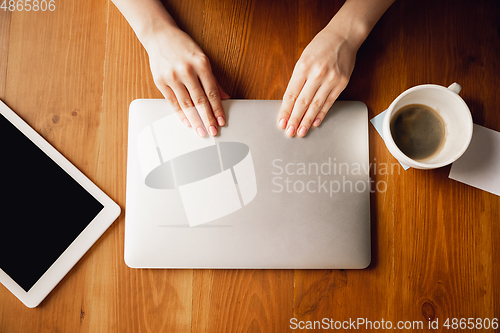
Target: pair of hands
(182, 73)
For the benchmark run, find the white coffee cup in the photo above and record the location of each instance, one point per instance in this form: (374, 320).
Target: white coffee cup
(452, 109)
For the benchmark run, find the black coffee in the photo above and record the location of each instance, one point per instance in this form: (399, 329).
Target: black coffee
(418, 131)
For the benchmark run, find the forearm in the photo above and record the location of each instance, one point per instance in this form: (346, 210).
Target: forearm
(356, 19)
(146, 17)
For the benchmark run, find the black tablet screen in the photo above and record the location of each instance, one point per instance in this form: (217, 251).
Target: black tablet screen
(43, 209)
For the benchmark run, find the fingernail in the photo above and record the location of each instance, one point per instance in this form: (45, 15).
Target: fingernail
(186, 122)
(221, 121)
(201, 131)
(317, 121)
(283, 123)
(290, 131)
(302, 131)
(212, 130)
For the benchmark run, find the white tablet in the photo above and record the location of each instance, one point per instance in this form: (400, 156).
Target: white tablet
(51, 214)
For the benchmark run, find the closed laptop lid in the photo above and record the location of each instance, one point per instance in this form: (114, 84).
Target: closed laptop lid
(251, 197)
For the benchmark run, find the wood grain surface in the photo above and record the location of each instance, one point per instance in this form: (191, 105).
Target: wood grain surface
(72, 73)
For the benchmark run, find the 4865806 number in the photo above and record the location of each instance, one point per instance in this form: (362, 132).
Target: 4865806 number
(471, 323)
(28, 5)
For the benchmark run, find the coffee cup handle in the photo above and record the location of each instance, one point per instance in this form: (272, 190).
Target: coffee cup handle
(455, 87)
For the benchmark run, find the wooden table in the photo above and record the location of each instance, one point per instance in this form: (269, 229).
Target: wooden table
(72, 73)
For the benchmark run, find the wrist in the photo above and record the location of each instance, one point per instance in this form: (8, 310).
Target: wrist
(152, 34)
(356, 19)
(349, 27)
(148, 20)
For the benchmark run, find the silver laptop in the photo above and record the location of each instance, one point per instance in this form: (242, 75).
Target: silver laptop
(251, 197)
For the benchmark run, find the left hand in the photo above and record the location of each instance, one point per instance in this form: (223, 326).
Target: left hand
(320, 75)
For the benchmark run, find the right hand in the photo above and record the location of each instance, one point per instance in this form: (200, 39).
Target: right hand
(182, 73)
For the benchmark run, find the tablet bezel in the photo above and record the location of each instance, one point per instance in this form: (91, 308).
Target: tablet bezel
(82, 243)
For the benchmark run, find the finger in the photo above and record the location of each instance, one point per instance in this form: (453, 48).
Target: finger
(223, 94)
(301, 105)
(340, 85)
(314, 108)
(172, 101)
(292, 92)
(185, 102)
(201, 103)
(332, 97)
(212, 91)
